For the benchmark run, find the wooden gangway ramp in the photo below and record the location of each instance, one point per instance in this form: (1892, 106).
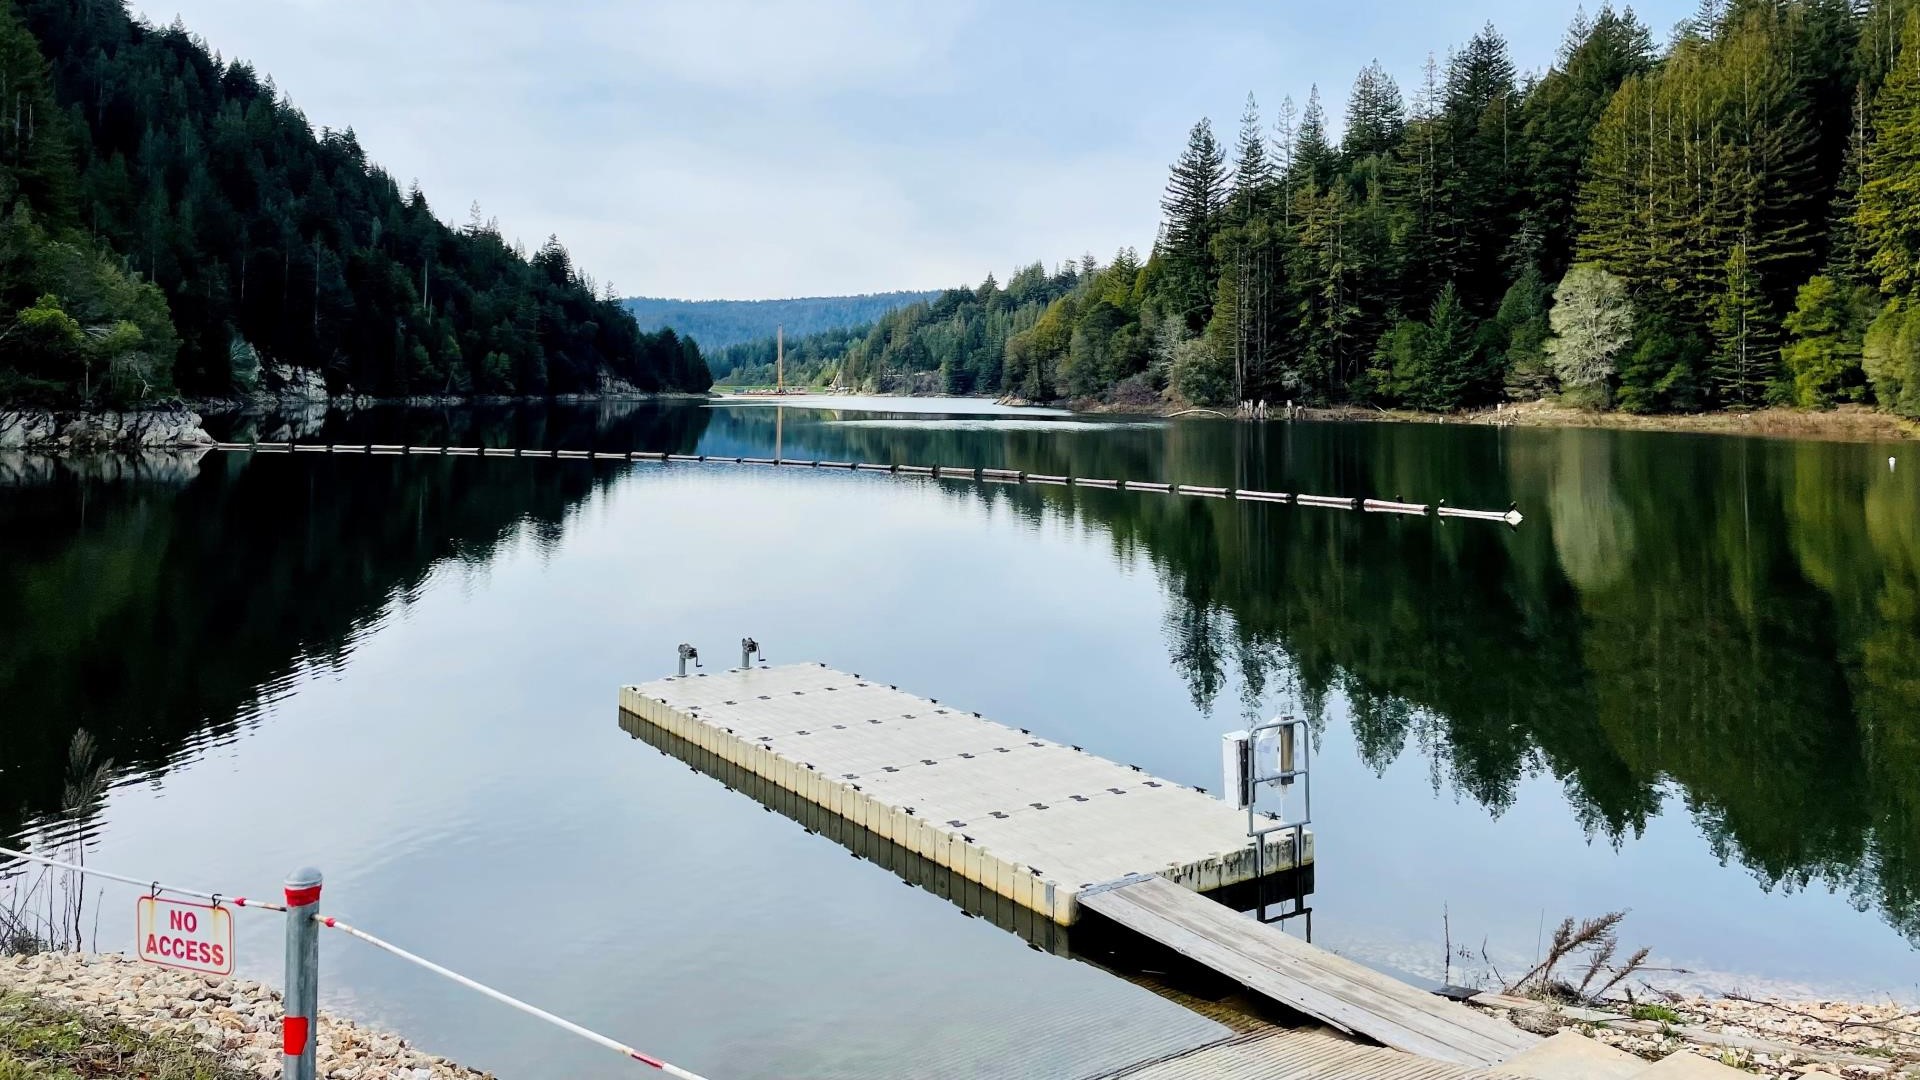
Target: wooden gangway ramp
(1344, 994)
(1031, 819)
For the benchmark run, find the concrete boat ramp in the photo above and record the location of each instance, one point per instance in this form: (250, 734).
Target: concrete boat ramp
(1044, 833)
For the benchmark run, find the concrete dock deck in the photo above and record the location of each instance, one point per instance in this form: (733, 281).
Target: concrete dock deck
(1031, 820)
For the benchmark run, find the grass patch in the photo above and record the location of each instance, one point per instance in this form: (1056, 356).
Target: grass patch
(1658, 1013)
(39, 1041)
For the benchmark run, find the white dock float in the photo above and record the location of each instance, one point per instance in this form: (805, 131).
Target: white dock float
(1033, 820)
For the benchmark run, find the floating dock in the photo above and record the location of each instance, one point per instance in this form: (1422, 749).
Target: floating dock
(1036, 822)
(999, 818)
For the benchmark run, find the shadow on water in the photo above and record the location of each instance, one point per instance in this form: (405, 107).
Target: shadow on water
(160, 601)
(1732, 622)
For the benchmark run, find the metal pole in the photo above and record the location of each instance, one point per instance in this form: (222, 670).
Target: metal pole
(299, 1030)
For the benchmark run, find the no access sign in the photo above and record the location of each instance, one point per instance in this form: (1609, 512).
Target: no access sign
(193, 937)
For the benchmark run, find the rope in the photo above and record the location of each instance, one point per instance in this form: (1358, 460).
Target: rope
(154, 886)
(334, 924)
(565, 1025)
(1510, 516)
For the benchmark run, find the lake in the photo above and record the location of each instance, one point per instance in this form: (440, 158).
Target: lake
(1687, 686)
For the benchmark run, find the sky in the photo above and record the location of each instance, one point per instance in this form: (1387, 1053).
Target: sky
(734, 149)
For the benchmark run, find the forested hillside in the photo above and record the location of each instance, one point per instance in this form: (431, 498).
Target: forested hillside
(169, 221)
(717, 324)
(1729, 220)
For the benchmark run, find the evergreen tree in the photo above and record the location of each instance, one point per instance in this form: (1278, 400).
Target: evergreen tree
(1746, 355)
(1665, 200)
(1847, 255)
(1523, 319)
(1662, 372)
(1450, 368)
(1314, 162)
(1474, 214)
(1376, 115)
(1196, 193)
(1889, 214)
(1559, 115)
(1253, 175)
(1891, 357)
(1827, 330)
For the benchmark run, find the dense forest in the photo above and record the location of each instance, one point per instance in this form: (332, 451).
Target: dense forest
(170, 222)
(717, 324)
(1729, 221)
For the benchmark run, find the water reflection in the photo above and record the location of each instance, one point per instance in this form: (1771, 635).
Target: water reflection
(1731, 623)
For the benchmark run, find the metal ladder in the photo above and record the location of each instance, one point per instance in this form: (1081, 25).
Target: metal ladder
(1293, 768)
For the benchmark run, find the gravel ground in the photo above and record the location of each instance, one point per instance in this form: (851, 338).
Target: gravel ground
(235, 1018)
(1883, 1040)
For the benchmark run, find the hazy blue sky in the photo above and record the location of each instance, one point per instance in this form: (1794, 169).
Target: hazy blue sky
(727, 148)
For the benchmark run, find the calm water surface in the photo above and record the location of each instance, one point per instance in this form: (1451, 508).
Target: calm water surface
(1688, 686)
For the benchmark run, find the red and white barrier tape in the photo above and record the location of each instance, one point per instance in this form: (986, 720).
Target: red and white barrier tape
(505, 999)
(334, 924)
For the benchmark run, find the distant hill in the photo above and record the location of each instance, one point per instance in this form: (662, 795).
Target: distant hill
(716, 324)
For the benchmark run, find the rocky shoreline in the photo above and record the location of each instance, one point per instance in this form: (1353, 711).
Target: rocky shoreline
(235, 1019)
(238, 1021)
(1783, 1039)
(43, 431)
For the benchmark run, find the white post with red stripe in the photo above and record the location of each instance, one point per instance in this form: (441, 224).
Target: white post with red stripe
(300, 1028)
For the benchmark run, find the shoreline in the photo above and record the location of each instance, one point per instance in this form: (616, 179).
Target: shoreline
(1843, 423)
(179, 424)
(1768, 1037)
(233, 1019)
(235, 1022)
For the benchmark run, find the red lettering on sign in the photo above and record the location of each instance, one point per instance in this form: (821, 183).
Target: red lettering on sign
(184, 940)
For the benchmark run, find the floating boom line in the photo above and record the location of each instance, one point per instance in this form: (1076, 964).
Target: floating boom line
(1511, 515)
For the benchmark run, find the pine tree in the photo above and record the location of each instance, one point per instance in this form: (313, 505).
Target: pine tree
(1714, 149)
(1314, 160)
(1559, 115)
(1889, 214)
(1376, 115)
(1746, 354)
(1196, 193)
(1847, 255)
(1253, 176)
(1474, 216)
(1523, 317)
(1450, 368)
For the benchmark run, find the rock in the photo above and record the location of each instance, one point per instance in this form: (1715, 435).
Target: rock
(131, 430)
(284, 382)
(232, 1017)
(22, 428)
